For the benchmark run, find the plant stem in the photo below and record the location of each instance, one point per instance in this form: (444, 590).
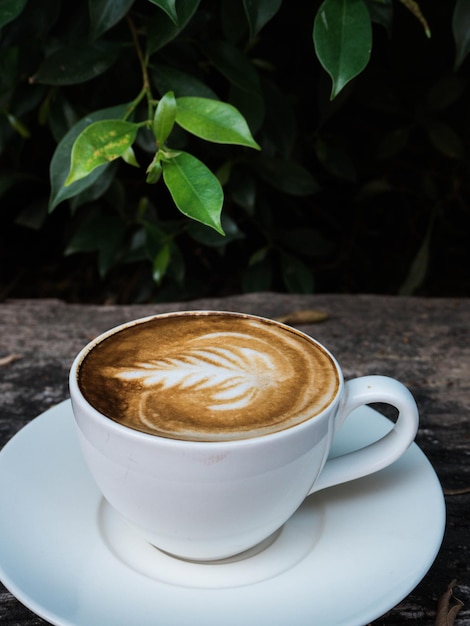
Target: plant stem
(146, 90)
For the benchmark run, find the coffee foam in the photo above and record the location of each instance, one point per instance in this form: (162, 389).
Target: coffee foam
(208, 376)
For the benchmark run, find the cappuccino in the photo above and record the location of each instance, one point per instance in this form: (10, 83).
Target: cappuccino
(208, 376)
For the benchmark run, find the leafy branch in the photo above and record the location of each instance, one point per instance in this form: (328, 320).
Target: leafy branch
(195, 190)
(124, 96)
(342, 36)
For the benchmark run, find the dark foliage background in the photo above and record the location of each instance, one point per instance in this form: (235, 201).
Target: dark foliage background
(381, 203)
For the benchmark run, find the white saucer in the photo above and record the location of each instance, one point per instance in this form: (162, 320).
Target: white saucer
(346, 557)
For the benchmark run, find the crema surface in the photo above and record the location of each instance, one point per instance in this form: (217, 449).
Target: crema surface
(208, 376)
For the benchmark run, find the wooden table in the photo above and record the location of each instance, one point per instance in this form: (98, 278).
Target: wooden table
(423, 342)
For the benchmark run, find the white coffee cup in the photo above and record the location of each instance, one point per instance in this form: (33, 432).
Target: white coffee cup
(208, 500)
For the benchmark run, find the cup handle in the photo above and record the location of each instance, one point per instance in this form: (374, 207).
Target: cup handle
(377, 455)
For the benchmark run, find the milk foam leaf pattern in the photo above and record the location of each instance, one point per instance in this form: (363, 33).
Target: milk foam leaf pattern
(233, 376)
(342, 35)
(100, 143)
(195, 189)
(214, 121)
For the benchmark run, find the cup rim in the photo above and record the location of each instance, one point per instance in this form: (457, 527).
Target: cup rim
(78, 396)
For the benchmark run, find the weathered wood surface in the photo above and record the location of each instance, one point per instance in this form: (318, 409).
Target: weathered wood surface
(423, 342)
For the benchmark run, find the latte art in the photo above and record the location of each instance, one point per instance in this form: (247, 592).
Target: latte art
(232, 376)
(208, 376)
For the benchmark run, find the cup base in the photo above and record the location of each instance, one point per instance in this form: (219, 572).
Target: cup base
(241, 556)
(276, 554)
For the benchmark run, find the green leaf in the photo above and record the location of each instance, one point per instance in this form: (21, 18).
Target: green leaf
(415, 9)
(154, 171)
(177, 266)
(29, 26)
(252, 105)
(161, 263)
(234, 65)
(296, 275)
(107, 175)
(243, 190)
(18, 126)
(209, 237)
(161, 29)
(10, 9)
(100, 143)
(260, 255)
(169, 6)
(102, 233)
(233, 21)
(381, 12)
(155, 239)
(461, 31)
(259, 12)
(129, 157)
(77, 63)
(61, 116)
(32, 216)
(181, 83)
(61, 159)
(214, 121)
(195, 190)
(342, 37)
(104, 14)
(164, 119)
